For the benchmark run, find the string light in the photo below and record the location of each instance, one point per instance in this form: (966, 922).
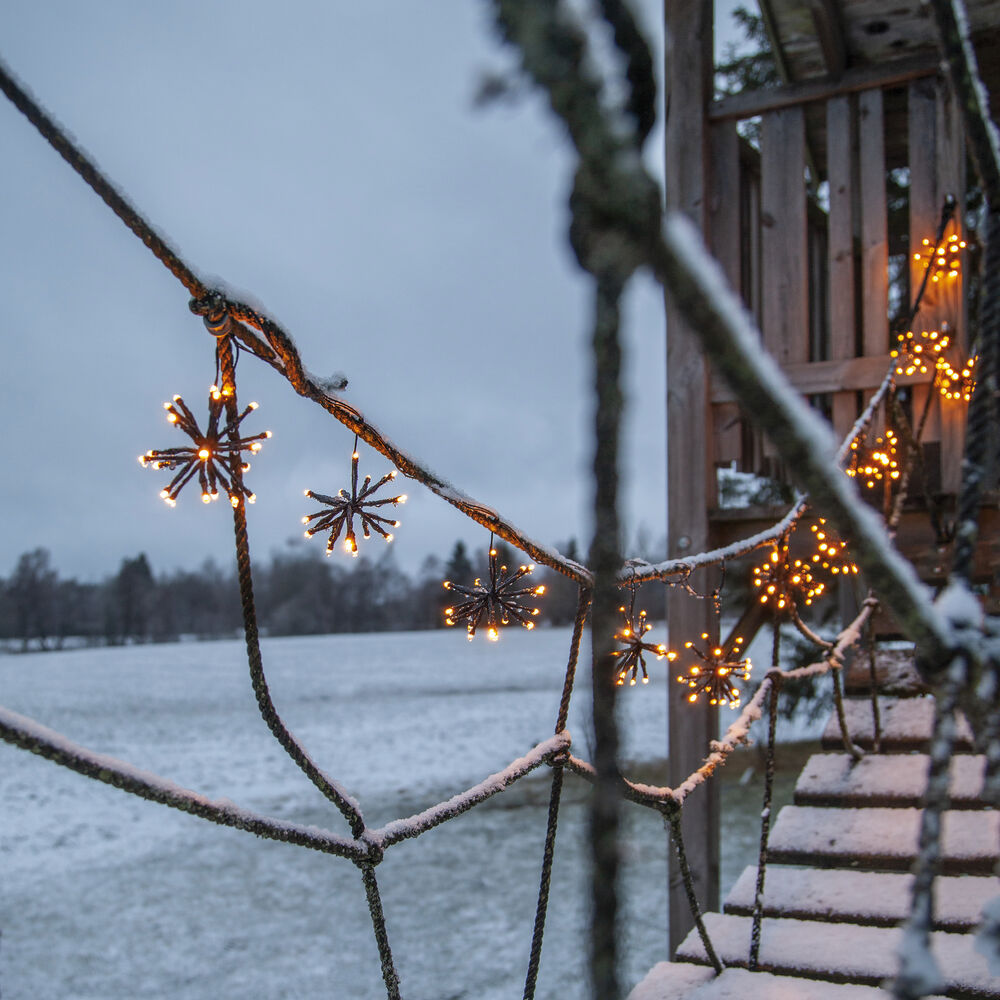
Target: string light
(717, 672)
(214, 457)
(916, 353)
(630, 659)
(954, 383)
(495, 603)
(783, 582)
(831, 552)
(944, 257)
(872, 466)
(345, 507)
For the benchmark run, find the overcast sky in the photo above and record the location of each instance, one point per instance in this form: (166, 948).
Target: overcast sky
(327, 158)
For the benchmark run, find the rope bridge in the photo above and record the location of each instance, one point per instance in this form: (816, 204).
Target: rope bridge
(615, 230)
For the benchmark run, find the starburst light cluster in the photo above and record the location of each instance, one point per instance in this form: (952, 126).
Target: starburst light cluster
(945, 257)
(715, 676)
(214, 457)
(916, 353)
(831, 552)
(955, 383)
(496, 603)
(630, 659)
(873, 465)
(345, 507)
(784, 582)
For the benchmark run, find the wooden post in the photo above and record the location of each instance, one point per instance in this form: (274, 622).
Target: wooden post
(690, 470)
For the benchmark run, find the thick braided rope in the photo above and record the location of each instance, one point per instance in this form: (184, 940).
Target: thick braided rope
(765, 820)
(98, 183)
(389, 974)
(552, 822)
(980, 456)
(292, 747)
(541, 908)
(672, 814)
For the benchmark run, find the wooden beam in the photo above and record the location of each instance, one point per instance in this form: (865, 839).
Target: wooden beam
(830, 35)
(888, 74)
(690, 468)
(820, 377)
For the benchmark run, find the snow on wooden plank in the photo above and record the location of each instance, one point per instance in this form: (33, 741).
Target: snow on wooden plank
(839, 953)
(895, 674)
(837, 779)
(906, 725)
(877, 898)
(681, 981)
(671, 981)
(882, 838)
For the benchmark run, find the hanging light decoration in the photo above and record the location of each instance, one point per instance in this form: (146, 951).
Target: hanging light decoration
(716, 674)
(630, 635)
(831, 552)
(945, 258)
(783, 582)
(344, 507)
(916, 353)
(215, 455)
(956, 383)
(495, 603)
(873, 465)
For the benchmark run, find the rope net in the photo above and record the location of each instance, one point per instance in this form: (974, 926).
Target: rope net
(607, 137)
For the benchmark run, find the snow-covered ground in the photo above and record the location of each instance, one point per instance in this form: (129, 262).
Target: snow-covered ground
(105, 896)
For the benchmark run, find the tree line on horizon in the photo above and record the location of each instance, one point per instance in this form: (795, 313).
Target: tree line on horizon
(298, 592)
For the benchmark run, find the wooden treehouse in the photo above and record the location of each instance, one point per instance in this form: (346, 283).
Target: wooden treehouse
(823, 222)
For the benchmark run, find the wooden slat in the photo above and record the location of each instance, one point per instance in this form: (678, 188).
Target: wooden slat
(842, 170)
(750, 103)
(724, 220)
(851, 374)
(784, 249)
(683, 981)
(874, 226)
(879, 899)
(840, 952)
(724, 205)
(890, 780)
(925, 211)
(950, 169)
(906, 725)
(882, 838)
(895, 674)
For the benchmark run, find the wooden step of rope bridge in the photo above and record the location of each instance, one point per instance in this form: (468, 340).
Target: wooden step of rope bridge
(838, 883)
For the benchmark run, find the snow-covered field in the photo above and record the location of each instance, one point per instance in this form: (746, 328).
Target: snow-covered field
(105, 896)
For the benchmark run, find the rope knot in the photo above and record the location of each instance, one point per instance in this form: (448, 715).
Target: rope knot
(376, 852)
(213, 308)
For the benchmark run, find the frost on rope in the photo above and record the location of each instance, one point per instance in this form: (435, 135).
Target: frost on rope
(411, 826)
(48, 743)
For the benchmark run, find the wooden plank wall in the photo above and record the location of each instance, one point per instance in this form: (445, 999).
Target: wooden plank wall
(936, 154)
(822, 297)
